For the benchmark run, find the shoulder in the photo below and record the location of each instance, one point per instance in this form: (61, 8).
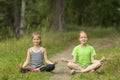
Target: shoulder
(90, 47)
(43, 49)
(75, 50)
(30, 49)
(76, 47)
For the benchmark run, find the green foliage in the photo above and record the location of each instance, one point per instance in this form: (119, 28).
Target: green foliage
(93, 12)
(103, 13)
(36, 12)
(99, 31)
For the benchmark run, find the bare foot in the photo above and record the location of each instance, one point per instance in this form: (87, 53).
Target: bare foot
(64, 60)
(37, 69)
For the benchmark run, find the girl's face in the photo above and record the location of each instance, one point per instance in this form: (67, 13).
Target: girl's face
(36, 40)
(83, 38)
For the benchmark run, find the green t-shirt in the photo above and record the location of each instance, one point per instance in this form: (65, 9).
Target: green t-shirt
(83, 54)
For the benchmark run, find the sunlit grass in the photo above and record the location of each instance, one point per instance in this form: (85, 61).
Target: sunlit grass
(13, 52)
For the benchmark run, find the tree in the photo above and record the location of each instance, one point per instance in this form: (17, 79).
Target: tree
(57, 15)
(22, 23)
(16, 18)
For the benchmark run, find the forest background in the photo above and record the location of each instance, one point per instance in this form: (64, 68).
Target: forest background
(18, 17)
(58, 22)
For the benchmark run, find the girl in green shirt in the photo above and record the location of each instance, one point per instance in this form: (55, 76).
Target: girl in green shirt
(83, 56)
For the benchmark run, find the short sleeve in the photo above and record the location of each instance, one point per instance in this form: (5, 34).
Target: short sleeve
(74, 52)
(93, 53)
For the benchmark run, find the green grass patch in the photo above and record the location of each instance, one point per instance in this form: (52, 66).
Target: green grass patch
(13, 52)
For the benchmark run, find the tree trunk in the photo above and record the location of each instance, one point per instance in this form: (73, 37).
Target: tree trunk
(16, 18)
(22, 22)
(57, 15)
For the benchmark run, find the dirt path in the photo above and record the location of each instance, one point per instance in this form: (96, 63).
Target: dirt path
(62, 72)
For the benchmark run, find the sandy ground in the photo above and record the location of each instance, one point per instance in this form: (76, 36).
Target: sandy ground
(62, 72)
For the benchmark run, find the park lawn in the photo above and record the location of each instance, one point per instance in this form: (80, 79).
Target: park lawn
(13, 52)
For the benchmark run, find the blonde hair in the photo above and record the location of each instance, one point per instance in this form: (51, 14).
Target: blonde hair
(36, 34)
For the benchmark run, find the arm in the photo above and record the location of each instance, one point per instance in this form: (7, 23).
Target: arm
(72, 60)
(46, 57)
(27, 59)
(93, 60)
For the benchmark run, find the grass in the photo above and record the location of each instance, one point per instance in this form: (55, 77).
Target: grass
(13, 52)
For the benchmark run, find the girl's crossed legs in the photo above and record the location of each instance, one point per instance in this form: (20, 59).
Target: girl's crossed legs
(95, 65)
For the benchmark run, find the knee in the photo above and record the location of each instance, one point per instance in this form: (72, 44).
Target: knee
(23, 70)
(48, 68)
(52, 66)
(70, 64)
